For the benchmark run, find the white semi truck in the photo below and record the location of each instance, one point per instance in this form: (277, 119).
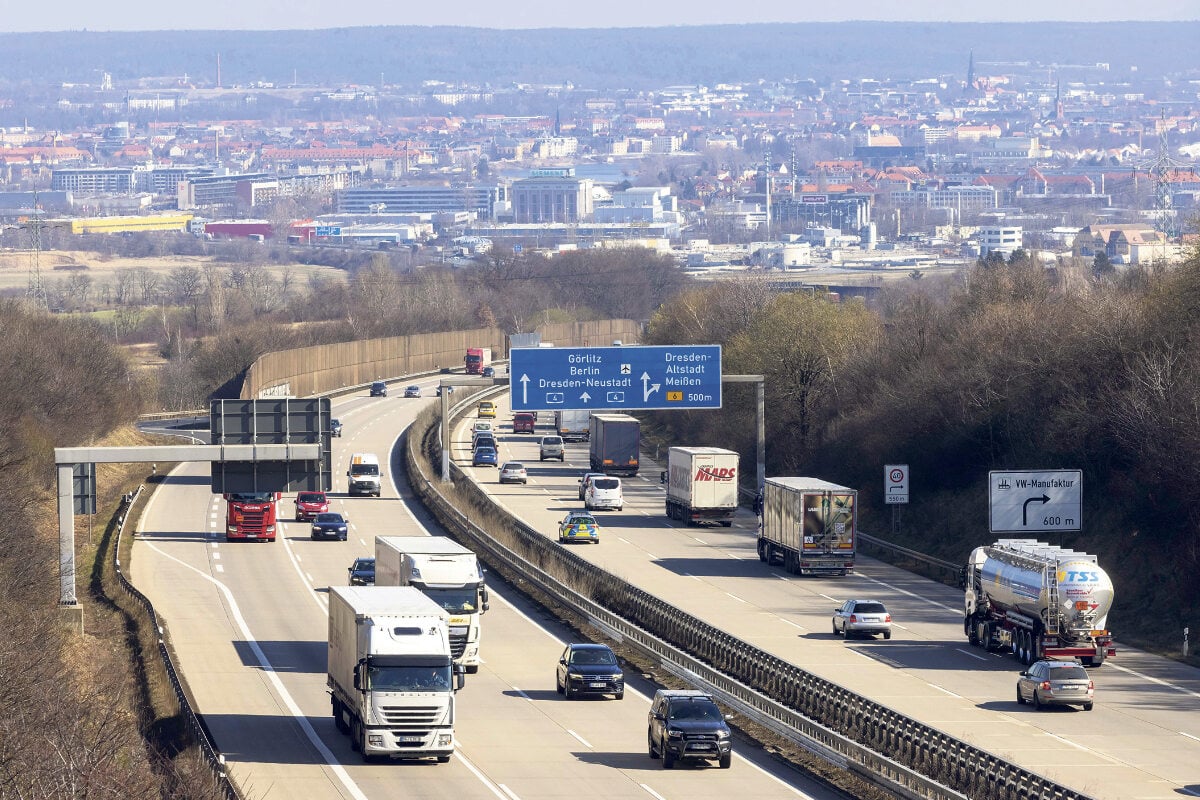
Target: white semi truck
(1038, 599)
(702, 484)
(449, 574)
(808, 525)
(391, 674)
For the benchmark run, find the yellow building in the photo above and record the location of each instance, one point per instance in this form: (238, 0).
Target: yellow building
(160, 222)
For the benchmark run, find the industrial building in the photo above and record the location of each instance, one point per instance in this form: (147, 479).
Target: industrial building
(486, 202)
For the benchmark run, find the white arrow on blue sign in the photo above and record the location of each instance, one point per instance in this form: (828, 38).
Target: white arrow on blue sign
(615, 378)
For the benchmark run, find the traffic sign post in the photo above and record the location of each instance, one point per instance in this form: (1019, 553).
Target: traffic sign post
(1028, 501)
(615, 378)
(895, 483)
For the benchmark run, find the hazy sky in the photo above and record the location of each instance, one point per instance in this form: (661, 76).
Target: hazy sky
(140, 15)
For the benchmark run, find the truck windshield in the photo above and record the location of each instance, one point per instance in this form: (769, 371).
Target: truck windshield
(456, 601)
(364, 469)
(408, 679)
(252, 497)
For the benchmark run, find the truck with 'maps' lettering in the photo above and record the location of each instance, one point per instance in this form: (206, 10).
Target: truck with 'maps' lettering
(702, 484)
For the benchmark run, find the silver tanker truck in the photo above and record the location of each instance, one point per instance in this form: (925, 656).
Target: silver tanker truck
(1040, 600)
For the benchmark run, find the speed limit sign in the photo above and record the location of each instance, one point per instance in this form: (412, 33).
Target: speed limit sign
(895, 483)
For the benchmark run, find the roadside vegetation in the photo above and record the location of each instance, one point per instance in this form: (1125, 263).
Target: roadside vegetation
(80, 716)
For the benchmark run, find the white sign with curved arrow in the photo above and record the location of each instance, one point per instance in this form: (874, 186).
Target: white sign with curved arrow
(1030, 502)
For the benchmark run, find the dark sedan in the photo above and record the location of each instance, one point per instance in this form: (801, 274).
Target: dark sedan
(586, 668)
(330, 525)
(362, 572)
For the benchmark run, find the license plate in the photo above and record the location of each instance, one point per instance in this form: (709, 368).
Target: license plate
(410, 739)
(598, 685)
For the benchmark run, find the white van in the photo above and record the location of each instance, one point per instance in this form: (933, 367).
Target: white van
(604, 492)
(364, 474)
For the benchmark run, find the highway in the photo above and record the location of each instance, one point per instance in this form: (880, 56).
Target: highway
(247, 623)
(1141, 741)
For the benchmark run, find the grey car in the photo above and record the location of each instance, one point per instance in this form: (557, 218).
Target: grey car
(1056, 683)
(552, 447)
(862, 618)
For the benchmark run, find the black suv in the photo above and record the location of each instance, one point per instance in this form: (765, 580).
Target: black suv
(686, 723)
(378, 389)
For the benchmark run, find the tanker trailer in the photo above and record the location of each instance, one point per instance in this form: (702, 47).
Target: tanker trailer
(1040, 600)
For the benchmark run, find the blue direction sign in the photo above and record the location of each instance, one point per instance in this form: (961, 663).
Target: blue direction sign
(329, 230)
(615, 378)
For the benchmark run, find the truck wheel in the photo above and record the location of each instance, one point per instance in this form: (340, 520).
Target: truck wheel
(726, 760)
(355, 737)
(972, 635)
(762, 555)
(443, 759)
(726, 523)
(339, 721)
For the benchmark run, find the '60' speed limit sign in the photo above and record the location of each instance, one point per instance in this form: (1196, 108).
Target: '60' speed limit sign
(895, 483)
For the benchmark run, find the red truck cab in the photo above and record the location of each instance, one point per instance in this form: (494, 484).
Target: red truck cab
(251, 516)
(473, 362)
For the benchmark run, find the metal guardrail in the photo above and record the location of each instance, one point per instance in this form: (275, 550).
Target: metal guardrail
(950, 571)
(890, 749)
(215, 759)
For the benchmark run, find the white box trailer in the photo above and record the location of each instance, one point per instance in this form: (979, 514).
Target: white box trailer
(390, 672)
(573, 425)
(449, 574)
(702, 484)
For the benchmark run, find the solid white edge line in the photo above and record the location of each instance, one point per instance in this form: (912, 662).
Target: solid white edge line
(269, 670)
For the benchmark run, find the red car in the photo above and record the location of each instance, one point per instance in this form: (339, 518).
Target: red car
(523, 422)
(309, 504)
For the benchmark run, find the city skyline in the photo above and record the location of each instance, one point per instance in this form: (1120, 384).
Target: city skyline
(147, 15)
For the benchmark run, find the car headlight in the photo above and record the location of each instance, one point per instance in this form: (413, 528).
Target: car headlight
(674, 734)
(575, 676)
(725, 734)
